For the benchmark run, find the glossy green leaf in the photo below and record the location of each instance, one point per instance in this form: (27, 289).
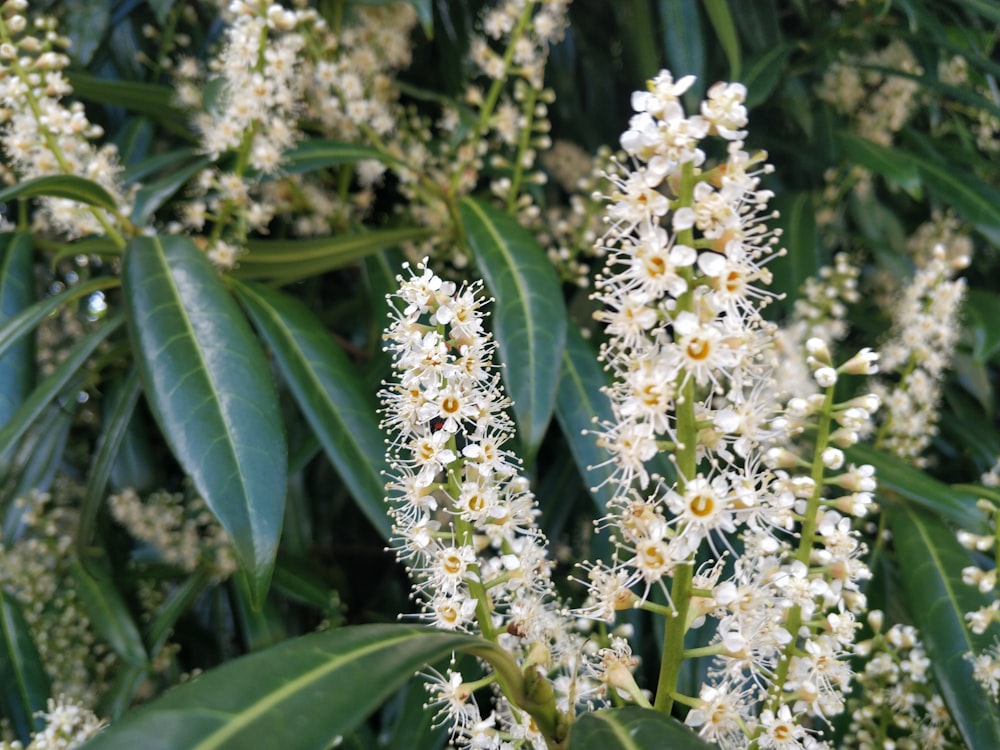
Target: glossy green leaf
(579, 402)
(258, 628)
(721, 19)
(24, 685)
(931, 562)
(69, 370)
(425, 16)
(107, 613)
(892, 164)
(298, 695)
(981, 313)
(39, 455)
(315, 154)
(290, 260)
(17, 281)
(919, 487)
(61, 186)
(208, 385)
(683, 41)
(301, 583)
(152, 196)
(327, 389)
(115, 427)
(156, 163)
(632, 728)
(529, 317)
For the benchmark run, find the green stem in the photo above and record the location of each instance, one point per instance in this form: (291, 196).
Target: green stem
(522, 147)
(493, 95)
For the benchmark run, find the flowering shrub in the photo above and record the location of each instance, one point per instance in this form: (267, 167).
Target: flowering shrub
(681, 430)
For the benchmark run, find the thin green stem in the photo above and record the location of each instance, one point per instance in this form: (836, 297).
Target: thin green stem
(522, 148)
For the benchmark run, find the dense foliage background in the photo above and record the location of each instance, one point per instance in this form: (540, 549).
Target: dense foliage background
(191, 464)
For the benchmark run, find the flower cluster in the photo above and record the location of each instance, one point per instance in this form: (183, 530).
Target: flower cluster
(40, 134)
(464, 517)
(693, 361)
(925, 331)
(897, 705)
(67, 725)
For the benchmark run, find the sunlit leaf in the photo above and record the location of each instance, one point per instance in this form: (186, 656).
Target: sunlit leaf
(209, 386)
(298, 695)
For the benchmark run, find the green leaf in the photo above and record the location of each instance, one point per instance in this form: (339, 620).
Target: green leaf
(312, 155)
(161, 8)
(38, 456)
(66, 376)
(24, 686)
(17, 281)
(153, 164)
(683, 41)
(425, 16)
(144, 98)
(115, 428)
(529, 317)
(286, 261)
(152, 196)
(931, 562)
(108, 613)
(116, 700)
(725, 31)
(26, 320)
(632, 728)
(61, 186)
(894, 165)
(920, 488)
(765, 71)
(258, 628)
(209, 386)
(84, 22)
(800, 238)
(327, 389)
(981, 313)
(301, 583)
(298, 695)
(971, 198)
(579, 402)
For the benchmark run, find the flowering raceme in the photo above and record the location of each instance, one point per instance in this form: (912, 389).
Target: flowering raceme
(771, 556)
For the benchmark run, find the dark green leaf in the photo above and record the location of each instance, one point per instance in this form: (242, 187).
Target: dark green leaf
(61, 186)
(725, 31)
(892, 164)
(153, 195)
(298, 695)
(931, 562)
(683, 42)
(17, 366)
(579, 402)
(982, 312)
(85, 22)
(765, 71)
(425, 16)
(800, 239)
(529, 318)
(108, 613)
(286, 261)
(155, 163)
(39, 455)
(920, 488)
(115, 428)
(118, 697)
(60, 378)
(632, 728)
(312, 155)
(971, 198)
(161, 8)
(258, 628)
(24, 686)
(327, 390)
(145, 98)
(209, 386)
(301, 583)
